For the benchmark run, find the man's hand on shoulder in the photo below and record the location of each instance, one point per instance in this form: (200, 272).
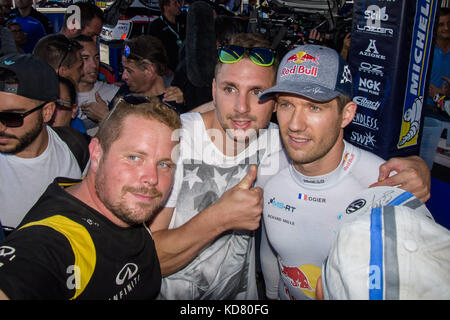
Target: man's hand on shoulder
(412, 174)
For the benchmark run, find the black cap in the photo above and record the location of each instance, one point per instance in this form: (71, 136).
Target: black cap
(37, 79)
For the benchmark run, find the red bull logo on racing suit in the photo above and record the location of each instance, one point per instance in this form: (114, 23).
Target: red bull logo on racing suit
(303, 278)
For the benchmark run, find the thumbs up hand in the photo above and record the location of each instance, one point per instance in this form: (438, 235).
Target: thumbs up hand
(241, 206)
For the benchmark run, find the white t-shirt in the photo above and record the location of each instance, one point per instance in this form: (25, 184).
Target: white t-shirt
(225, 269)
(107, 92)
(300, 218)
(22, 181)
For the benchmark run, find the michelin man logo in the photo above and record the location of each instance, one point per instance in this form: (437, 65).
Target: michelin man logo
(412, 116)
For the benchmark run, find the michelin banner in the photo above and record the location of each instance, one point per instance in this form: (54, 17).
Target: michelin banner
(389, 57)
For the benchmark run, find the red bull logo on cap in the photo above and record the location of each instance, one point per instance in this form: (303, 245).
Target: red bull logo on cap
(302, 56)
(296, 69)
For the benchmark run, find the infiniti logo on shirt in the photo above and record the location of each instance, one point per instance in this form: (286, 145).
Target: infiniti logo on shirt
(128, 272)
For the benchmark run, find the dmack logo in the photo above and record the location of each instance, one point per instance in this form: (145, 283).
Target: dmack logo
(128, 272)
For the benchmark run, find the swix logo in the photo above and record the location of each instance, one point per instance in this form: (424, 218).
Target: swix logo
(126, 273)
(297, 277)
(367, 139)
(372, 51)
(302, 56)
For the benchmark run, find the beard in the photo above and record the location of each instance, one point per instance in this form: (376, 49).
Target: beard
(140, 213)
(321, 149)
(25, 140)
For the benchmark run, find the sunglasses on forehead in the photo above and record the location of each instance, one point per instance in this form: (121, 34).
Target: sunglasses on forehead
(260, 56)
(128, 54)
(15, 119)
(134, 100)
(69, 46)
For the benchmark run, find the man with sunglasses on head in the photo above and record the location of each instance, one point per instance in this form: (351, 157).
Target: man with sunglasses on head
(31, 153)
(63, 54)
(89, 240)
(202, 246)
(144, 63)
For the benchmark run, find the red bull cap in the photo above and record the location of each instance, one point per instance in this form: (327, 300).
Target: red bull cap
(315, 72)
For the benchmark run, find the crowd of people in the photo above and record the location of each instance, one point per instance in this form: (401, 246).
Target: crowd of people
(118, 191)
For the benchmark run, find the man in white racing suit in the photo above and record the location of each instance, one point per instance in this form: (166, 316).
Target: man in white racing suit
(303, 203)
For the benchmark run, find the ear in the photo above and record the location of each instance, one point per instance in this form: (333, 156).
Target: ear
(62, 71)
(47, 111)
(275, 103)
(150, 70)
(96, 154)
(348, 113)
(214, 90)
(74, 111)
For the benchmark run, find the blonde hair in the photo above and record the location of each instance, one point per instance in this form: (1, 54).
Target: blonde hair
(110, 128)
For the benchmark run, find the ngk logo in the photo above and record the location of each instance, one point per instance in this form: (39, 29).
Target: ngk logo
(369, 85)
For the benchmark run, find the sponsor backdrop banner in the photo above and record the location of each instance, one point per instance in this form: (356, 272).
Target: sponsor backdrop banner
(389, 57)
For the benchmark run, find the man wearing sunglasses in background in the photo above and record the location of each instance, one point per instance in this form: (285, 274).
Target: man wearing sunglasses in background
(31, 153)
(89, 240)
(213, 190)
(66, 107)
